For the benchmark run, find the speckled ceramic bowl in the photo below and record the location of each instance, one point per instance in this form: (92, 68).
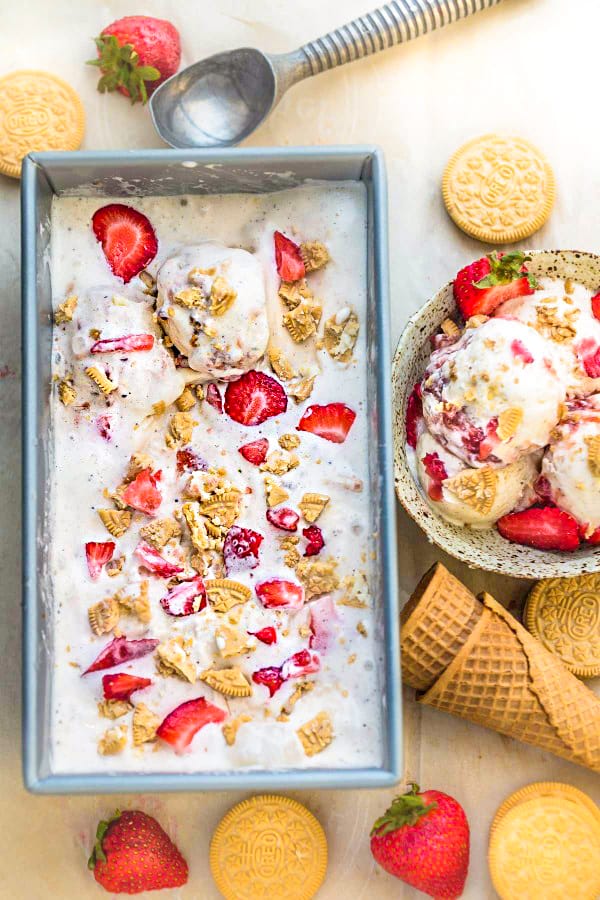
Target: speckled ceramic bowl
(484, 549)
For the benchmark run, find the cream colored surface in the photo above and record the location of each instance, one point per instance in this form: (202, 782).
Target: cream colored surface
(419, 103)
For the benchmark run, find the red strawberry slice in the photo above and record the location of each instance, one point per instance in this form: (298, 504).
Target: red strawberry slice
(120, 651)
(255, 452)
(186, 720)
(254, 398)
(97, 554)
(414, 416)
(483, 285)
(241, 549)
(596, 306)
(213, 397)
(594, 538)
(284, 518)
(121, 686)
(127, 237)
(185, 598)
(189, 461)
(589, 353)
(270, 676)
(316, 542)
(323, 620)
(288, 259)
(266, 635)
(142, 493)
(521, 352)
(545, 527)
(275, 593)
(103, 427)
(436, 471)
(126, 344)
(301, 663)
(154, 562)
(331, 422)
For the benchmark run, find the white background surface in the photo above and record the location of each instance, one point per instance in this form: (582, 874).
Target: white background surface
(529, 67)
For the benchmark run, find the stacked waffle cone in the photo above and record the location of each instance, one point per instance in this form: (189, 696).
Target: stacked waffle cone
(473, 659)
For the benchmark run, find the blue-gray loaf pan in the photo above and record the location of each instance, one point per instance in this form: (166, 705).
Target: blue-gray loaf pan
(169, 172)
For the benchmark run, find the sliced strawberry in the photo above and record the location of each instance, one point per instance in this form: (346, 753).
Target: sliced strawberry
(436, 471)
(154, 562)
(316, 542)
(254, 398)
(593, 538)
(186, 720)
(284, 518)
(142, 493)
(543, 527)
(519, 350)
(127, 237)
(103, 427)
(189, 461)
(275, 593)
(97, 554)
(323, 619)
(589, 353)
(270, 676)
(288, 259)
(414, 416)
(266, 635)
(124, 344)
(121, 686)
(301, 663)
(241, 549)
(212, 395)
(185, 598)
(596, 306)
(331, 422)
(120, 651)
(255, 452)
(483, 285)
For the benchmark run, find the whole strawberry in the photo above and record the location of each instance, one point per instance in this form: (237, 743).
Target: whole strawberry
(423, 838)
(136, 54)
(133, 854)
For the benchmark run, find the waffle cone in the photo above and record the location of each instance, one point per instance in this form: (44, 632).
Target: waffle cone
(436, 622)
(504, 679)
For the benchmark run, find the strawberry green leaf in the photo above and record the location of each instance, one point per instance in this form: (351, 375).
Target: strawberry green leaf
(405, 810)
(506, 268)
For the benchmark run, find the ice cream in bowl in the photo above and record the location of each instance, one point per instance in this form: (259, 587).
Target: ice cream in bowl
(497, 414)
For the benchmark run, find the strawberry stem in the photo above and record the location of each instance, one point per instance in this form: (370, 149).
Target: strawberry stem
(405, 810)
(120, 67)
(98, 853)
(504, 268)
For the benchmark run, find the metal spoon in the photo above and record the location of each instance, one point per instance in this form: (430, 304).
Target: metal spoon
(219, 101)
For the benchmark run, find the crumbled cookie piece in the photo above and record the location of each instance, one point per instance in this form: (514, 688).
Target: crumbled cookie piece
(315, 255)
(288, 543)
(222, 296)
(186, 400)
(144, 724)
(230, 729)
(223, 593)
(274, 493)
(232, 642)
(317, 576)
(190, 297)
(113, 709)
(302, 389)
(101, 380)
(149, 282)
(362, 629)
(141, 604)
(229, 682)
(450, 328)
(302, 688)
(316, 734)
(66, 392)
(114, 567)
(137, 463)
(476, 321)
(551, 325)
(196, 525)
(160, 531)
(223, 509)
(312, 505)
(181, 428)
(289, 441)
(340, 334)
(280, 365)
(104, 616)
(593, 454)
(116, 521)
(302, 321)
(508, 422)
(172, 659)
(356, 592)
(475, 487)
(294, 292)
(65, 311)
(278, 462)
(113, 741)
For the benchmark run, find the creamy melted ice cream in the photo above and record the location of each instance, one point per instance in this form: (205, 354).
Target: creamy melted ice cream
(95, 436)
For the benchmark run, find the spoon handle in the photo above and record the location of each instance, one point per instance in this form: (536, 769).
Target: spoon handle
(394, 23)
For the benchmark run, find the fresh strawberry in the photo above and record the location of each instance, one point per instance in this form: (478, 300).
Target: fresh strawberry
(423, 839)
(127, 237)
(241, 549)
(97, 554)
(119, 651)
(543, 527)
(185, 598)
(254, 398)
(301, 663)
(213, 397)
(132, 854)
(288, 259)
(186, 720)
(436, 471)
(593, 538)
(255, 452)
(121, 686)
(135, 55)
(124, 344)
(316, 542)
(270, 676)
(189, 461)
(331, 422)
(283, 517)
(142, 493)
(154, 562)
(275, 593)
(589, 354)
(519, 350)
(322, 623)
(266, 635)
(103, 427)
(596, 306)
(483, 285)
(414, 416)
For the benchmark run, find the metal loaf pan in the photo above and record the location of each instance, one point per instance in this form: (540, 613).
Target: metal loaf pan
(172, 172)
